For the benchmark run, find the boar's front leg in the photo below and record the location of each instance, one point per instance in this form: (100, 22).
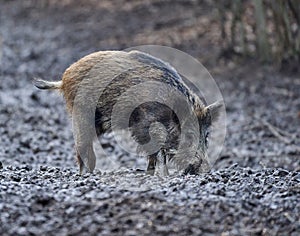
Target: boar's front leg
(161, 164)
(151, 164)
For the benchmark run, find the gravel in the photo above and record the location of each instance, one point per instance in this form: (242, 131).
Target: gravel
(232, 201)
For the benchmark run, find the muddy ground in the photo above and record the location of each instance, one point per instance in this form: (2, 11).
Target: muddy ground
(253, 188)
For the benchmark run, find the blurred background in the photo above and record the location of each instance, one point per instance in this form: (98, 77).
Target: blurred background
(261, 29)
(251, 48)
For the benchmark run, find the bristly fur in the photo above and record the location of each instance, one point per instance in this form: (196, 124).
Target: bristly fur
(127, 70)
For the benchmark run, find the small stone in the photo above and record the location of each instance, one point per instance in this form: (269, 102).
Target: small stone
(26, 167)
(43, 168)
(281, 172)
(15, 178)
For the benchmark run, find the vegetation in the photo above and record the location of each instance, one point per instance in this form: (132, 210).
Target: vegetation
(264, 28)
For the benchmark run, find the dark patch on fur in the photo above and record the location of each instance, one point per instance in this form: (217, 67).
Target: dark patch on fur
(170, 76)
(155, 62)
(146, 114)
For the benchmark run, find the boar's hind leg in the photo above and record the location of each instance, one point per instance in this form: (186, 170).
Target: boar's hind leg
(85, 156)
(80, 163)
(84, 134)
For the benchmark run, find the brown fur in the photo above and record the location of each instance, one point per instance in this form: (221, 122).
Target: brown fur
(128, 69)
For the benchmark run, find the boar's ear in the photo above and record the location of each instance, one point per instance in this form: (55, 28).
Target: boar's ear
(214, 110)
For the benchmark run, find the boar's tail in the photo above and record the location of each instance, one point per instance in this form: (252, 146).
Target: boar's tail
(43, 84)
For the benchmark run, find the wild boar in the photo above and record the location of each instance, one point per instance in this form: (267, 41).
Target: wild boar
(162, 109)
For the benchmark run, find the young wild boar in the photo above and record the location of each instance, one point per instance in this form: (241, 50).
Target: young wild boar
(108, 88)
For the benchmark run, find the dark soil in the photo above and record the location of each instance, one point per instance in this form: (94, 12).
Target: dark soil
(254, 187)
